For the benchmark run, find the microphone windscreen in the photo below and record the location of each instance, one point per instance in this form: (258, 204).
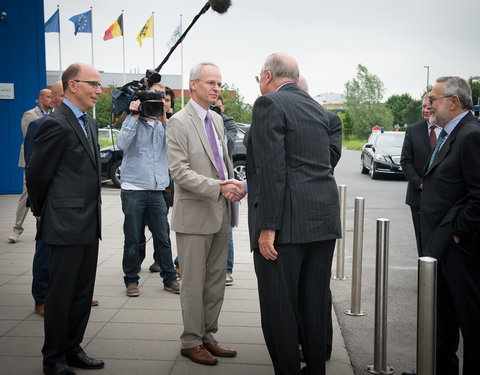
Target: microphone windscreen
(220, 6)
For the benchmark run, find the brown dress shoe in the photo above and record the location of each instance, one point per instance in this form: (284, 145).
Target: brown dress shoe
(200, 355)
(220, 351)
(40, 310)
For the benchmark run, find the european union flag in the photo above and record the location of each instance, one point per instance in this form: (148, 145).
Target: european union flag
(82, 22)
(53, 23)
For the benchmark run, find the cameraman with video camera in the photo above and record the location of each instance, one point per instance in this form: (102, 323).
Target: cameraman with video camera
(144, 178)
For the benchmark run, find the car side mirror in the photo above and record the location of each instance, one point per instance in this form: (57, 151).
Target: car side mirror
(368, 145)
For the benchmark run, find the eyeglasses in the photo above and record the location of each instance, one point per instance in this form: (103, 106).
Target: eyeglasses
(431, 100)
(259, 77)
(93, 84)
(212, 83)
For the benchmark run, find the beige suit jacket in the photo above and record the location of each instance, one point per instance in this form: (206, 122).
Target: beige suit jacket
(27, 118)
(198, 205)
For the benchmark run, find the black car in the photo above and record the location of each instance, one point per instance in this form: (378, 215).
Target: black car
(239, 153)
(111, 158)
(381, 154)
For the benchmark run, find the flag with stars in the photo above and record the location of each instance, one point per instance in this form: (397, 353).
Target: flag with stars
(82, 22)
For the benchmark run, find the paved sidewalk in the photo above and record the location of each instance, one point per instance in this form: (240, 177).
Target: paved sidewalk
(133, 335)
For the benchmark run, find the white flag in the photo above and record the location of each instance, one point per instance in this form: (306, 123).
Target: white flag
(175, 36)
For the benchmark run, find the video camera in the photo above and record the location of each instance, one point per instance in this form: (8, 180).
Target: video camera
(150, 100)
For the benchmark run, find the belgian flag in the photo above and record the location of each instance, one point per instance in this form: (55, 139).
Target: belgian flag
(116, 29)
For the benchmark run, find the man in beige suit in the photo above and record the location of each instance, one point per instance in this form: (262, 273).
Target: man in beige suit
(199, 162)
(44, 102)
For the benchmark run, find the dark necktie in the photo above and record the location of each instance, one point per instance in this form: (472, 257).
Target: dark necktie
(433, 137)
(441, 138)
(84, 117)
(213, 145)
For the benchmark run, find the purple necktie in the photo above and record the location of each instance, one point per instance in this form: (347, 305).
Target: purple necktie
(213, 145)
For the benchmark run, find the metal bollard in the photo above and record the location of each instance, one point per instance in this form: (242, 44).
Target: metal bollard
(342, 195)
(381, 292)
(355, 305)
(426, 315)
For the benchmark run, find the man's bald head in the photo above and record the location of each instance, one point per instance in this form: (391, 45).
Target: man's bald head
(278, 69)
(45, 99)
(282, 66)
(58, 95)
(302, 84)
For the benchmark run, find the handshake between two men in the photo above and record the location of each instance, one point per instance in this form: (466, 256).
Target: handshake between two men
(232, 189)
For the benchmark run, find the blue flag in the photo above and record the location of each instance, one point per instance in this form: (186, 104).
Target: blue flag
(53, 23)
(82, 22)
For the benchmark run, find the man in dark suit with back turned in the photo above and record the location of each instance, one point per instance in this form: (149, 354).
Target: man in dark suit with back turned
(450, 223)
(63, 181)
(420, 139)
(293, 215)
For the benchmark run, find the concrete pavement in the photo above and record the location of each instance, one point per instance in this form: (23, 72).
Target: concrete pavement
(134, 335)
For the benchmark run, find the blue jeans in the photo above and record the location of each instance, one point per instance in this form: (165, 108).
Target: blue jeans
(230, 251)
(140, 207)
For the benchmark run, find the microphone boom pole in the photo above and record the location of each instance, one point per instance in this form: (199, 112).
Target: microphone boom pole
(180, 40)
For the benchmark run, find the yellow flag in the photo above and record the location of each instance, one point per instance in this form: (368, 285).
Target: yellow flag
(147, 30)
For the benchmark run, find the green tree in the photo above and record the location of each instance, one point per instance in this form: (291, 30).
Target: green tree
(404, 108)
(103, 110)
(475, 85)
(235, 106)
(347, 124)
(363, 101)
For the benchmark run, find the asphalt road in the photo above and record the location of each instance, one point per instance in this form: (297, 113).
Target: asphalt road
(384, 198)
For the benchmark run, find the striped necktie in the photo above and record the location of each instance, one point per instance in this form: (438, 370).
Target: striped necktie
(84, 117)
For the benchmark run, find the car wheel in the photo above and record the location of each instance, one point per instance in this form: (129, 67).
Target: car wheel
(362, 166)
(115, 173)
(240, 169)
(373, 173)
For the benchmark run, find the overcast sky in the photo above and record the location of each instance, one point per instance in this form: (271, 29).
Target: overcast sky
(393, 39)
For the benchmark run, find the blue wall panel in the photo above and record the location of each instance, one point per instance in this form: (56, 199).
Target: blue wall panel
(22, 62)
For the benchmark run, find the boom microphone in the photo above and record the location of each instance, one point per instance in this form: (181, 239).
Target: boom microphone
(220, 6)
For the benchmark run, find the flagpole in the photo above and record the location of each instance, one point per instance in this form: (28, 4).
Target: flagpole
(59, 46)
(123, 41)
(94, 112)
(181, 62)
(91, 34)
(153, 37)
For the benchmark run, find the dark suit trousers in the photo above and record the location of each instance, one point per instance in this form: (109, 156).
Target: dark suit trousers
(458, 308)
(294, 290)
(69, 299)
(416, 227)
(40, 272)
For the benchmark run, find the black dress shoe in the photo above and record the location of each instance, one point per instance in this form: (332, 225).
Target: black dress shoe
(60, 368)
(81, 360)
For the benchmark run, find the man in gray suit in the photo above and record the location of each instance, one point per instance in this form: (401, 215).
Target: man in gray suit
(199, 162)
(44, 102)
(293, 216)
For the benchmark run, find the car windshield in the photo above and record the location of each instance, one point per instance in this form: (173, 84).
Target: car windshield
(390, 140)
